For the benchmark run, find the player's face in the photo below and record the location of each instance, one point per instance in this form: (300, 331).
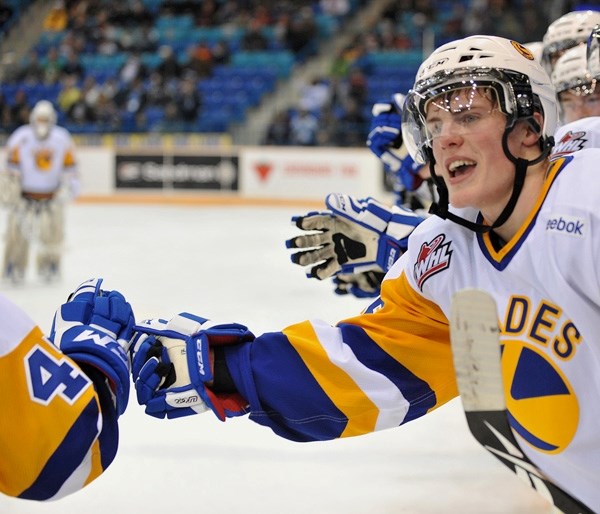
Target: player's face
(466, 128)
(574, 107)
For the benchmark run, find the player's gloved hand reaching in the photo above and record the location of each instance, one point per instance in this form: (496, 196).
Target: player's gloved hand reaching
(94, 327)
(174, 363)
(385, 141)
(366, 284)
(352, 236)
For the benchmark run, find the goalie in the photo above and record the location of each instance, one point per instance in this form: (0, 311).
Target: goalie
(41, 174)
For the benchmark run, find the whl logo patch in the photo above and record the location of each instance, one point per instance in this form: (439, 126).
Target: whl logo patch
(433, 257)
(569, 143)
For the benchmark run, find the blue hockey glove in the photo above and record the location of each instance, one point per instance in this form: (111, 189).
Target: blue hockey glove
(366, 284)
(385, 141)
(94, 327)
(172, 366)
(352, 236)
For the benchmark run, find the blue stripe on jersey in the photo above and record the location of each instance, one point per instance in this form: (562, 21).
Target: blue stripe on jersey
(292, 403)
(67, 457)
(416, 391)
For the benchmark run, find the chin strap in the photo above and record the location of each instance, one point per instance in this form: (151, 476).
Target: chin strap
(441, 207)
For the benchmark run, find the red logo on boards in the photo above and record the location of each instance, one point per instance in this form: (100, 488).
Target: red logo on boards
(263, 170)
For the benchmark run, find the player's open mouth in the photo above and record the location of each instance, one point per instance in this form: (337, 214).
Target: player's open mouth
(457, 168)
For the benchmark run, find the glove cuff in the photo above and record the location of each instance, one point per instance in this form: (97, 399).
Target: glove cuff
(86, 345)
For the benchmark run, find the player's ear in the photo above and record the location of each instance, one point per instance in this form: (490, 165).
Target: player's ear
(533, 130)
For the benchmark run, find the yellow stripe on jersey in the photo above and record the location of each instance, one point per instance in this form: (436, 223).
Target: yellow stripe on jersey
(415, 332)
(24, 419)
(343, 391)
(498, 255)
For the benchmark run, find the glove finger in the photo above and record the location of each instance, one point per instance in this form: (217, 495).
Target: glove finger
(315, 222)
(313, 256)
(324, 270)
(86, 291)
(309, 241)
(148, 381)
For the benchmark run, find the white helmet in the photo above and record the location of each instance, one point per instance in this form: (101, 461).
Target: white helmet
(571, 72)
(566, 32)
(536, 48)
(521, 85)
(42, 118)
(593, 53)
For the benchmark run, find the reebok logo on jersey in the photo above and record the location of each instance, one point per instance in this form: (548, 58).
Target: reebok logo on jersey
(566, 225)
(433, 257)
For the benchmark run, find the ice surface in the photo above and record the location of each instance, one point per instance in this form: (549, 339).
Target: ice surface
(230, 263)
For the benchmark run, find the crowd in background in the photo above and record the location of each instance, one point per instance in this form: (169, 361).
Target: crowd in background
(331, 110)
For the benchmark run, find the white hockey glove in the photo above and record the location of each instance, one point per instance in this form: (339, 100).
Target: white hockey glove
(94, 327)
(172, 367)
(352, 236)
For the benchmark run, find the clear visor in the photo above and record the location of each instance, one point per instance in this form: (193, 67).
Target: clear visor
(553, 51)
(580, 86)
(593, 54)
(462, 94)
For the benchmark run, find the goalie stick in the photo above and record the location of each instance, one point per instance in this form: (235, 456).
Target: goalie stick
(476, 352)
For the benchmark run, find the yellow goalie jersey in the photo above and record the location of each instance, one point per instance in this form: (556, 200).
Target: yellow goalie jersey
(57, 431)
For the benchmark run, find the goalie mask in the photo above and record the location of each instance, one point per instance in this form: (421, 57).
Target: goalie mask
(42, 118)
(494, 66)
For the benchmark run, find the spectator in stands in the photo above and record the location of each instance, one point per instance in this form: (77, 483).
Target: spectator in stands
(30, 70)
(221, 52)
(356, 86)
(351, 126)
(156, 95)
(303, 128)
(253, 39)
(73, 66)
(132, 98)
(6, 13)
(56, 20)
(188, 100)
(19, 110)
(133, 69)
(315, 95)
(301, 33)
(199, 59)
(169, 66)
(69, 95)
(336, 8)
(52, 65)
(206, 13)
(279, 130)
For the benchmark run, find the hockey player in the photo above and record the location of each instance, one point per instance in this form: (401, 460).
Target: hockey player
(61, 397)
(579, 98)
(42, 168)
(482, 112)
(571, 29)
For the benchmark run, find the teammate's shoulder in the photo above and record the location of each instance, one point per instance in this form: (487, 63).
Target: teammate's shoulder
(577, 135)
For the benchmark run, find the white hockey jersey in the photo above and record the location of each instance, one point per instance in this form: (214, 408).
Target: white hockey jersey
(42, 163)
(577, 135)
(393, 363)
